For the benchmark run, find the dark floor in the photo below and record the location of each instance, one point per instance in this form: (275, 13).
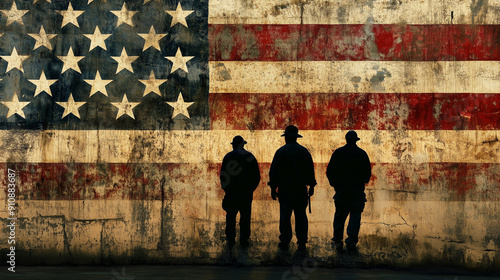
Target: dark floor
(305, 272)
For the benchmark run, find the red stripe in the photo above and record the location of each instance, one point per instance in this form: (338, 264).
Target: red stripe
(383, 111)
(46, 181)
(354, 42)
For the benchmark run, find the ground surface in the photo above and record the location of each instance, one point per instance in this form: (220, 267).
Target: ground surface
(309, 272)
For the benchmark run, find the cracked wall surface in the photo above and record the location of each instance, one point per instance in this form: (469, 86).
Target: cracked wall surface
(118, 218)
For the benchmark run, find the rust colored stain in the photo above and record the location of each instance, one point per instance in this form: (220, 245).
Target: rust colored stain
(384, 42)
(465, 180)
(381, 111)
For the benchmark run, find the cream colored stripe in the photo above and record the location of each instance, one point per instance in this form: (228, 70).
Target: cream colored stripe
(355, 76)
(414, 146)
(353, 12)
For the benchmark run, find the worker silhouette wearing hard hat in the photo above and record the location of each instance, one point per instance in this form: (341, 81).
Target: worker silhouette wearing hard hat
(239, 177)
(348, 171)
(292, 170)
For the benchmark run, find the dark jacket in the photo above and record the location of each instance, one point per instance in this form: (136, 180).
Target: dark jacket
(292, 169)
(239, 174)
(349, 169)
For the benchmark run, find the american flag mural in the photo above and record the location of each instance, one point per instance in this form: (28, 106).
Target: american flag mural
(94, 64)
(116, 115)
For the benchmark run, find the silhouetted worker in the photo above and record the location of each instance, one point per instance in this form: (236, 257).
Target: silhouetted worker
(239, 177)
(348, 171)
(292, 170)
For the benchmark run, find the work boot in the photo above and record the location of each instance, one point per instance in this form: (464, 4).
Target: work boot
(283, 246)
(339, 246)
(352, 249)
(244, 243)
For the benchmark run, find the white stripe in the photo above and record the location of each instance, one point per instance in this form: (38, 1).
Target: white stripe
(355, 76)
(353, 12)
(112, 146)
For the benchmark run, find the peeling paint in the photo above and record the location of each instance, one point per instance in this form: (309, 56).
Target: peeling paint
(479, 9)
(223, 74)
(377, 80)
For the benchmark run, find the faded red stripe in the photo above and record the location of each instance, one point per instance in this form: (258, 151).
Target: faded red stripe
(382, 111)
(77, 181)
(242, 42)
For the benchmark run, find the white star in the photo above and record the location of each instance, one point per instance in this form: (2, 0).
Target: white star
(98, 85)
(152, 39)
(71, 107)
(70, 61)
(43, 85)
(97, 39)
(125, 107)
(42, 39)
(14, 60)
(179, 15)
(124, 61)
(180, 107)
(14, 15)
(15, 106)
(152, 84)
(124, 16)
(103, 1)
(179, 61)
(70, 15)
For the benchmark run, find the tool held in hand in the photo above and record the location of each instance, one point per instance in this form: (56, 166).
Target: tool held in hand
(309, 200)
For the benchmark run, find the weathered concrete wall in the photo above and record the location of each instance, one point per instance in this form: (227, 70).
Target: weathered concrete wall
(427, 113)
(418, 212)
